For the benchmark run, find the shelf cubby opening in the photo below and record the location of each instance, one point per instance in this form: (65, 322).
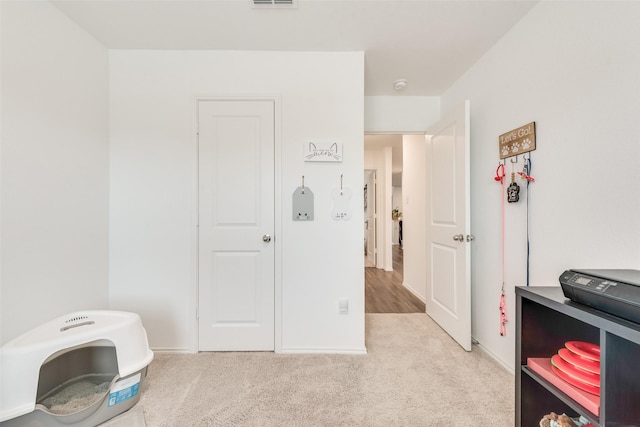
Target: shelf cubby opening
(537, 401)
(545, 331)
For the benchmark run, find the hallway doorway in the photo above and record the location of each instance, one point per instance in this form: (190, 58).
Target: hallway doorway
(384, 292)
(385, 287)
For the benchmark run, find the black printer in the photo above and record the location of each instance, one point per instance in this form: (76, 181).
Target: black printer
(616, 292)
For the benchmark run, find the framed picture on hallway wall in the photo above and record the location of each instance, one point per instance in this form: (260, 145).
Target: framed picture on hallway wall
(365, 196)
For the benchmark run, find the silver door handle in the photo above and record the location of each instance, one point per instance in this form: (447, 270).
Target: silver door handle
(266, 238)
(459, 237)
(470, 237)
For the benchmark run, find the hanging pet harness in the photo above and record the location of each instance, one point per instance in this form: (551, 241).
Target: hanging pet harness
(513, 191)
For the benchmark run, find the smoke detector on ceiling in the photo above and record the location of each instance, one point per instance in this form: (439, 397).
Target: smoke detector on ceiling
(400, 84)
(274, 4)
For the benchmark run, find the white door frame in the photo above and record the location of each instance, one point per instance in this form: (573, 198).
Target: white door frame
(373, 197)
(277, 241)
(384, 258)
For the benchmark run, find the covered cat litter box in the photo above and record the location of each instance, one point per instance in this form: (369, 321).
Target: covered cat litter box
(80, 369)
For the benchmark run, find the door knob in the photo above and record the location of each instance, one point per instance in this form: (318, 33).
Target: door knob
(470, 237)
(266, 238)
(458, 237)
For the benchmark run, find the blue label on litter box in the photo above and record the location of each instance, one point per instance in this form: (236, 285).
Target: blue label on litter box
(124, 390)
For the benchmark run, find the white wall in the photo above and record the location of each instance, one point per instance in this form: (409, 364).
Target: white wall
(572, 67)
(153, 199)
(400, 114)
(54, 168)
(414, 224)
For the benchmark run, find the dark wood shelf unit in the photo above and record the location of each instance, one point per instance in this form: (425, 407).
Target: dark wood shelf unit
(545, 321)
(557, 400)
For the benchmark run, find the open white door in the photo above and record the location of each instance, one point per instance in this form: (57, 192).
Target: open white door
(448, 299)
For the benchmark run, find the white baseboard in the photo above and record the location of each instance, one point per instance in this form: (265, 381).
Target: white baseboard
(493, 356)
(324, 351)
(410, 289)
(171, 350)
(168, 350)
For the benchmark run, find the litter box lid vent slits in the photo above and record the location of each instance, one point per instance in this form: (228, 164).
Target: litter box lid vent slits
(76, 318)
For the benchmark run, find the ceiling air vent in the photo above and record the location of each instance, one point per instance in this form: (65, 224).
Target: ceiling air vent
(271, 4)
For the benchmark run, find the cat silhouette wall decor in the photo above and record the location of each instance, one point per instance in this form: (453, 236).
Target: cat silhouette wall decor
(319, 152)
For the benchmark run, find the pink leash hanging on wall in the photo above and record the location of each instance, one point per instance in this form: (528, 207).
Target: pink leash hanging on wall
(500, 175)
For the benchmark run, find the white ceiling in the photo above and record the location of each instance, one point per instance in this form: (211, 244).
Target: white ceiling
(430, 43)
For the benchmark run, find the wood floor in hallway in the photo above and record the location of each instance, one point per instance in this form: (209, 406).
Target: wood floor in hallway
(384, 292)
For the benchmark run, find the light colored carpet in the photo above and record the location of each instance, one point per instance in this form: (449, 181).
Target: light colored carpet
(134, 417)
(413, 375)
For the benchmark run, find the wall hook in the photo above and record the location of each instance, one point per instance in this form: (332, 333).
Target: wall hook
(511, 159)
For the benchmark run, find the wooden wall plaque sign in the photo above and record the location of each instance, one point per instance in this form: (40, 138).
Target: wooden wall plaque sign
(518, 141)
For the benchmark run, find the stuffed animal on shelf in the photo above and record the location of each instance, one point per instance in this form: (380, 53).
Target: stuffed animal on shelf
(555, 420)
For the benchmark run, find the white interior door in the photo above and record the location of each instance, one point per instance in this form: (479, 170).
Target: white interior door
(236, 224)
(448, 299)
